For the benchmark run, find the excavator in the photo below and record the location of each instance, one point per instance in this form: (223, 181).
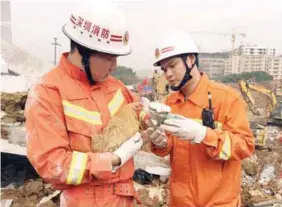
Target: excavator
(246, 88)
(273, 114)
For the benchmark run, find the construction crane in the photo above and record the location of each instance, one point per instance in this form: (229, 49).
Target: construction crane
(233, 35)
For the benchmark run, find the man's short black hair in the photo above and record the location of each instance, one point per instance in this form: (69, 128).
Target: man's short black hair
(72, 46)
(196, 59)
(185, 55)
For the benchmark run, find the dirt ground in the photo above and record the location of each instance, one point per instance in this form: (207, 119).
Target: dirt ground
(30, 194)
(154, 201)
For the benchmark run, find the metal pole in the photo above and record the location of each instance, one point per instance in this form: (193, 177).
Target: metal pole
(55, 49)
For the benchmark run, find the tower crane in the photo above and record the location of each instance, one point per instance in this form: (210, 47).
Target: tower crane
(233, 35)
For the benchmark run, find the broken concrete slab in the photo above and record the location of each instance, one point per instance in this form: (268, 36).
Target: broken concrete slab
(22, 62)
(6, 202)
(13, 105)
(7, 147)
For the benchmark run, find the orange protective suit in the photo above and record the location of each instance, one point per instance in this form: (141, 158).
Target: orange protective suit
(208, 174)
(62, 113)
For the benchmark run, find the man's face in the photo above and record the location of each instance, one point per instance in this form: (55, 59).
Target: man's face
(174, 70)
(101, 65)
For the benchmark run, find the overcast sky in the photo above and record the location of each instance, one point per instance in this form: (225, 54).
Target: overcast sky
(261, 20)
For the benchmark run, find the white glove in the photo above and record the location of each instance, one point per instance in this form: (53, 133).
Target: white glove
(158, 111)
(129, 148)
(185, 128)
(145, 102)
(159, 107)
(157, 137)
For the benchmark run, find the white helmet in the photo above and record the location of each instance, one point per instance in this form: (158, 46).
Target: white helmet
(174, 43)
(100, 26)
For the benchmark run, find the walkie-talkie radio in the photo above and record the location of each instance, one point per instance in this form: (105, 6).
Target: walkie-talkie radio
(207, 114)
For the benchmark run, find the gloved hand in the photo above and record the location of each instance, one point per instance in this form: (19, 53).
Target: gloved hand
(129, 148)
(157, 111)
(184, 128)
(157, 137)
(145, 103)
(159, 107)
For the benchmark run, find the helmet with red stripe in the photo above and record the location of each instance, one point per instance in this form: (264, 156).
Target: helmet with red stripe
(99, 26)
(177, 44)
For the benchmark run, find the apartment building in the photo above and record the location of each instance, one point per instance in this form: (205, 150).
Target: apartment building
(246, 58)
(256, 50)
(232, 64)
(251, 57)
(213, 66)
(252, 63)
(273, 66)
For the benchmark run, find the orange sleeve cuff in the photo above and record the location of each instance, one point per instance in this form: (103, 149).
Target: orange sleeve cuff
(213, 142)
(100, 165)
(211, 138)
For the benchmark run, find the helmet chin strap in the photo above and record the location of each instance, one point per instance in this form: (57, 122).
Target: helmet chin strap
(187, 76)
(85, 54)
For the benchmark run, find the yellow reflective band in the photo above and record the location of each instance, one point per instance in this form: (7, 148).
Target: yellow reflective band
(225, 153)
(77, 169)
(82, 114)
(142, 115)
(218, 125)
(116, 102)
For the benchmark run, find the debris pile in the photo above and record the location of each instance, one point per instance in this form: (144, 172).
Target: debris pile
(152, 179)
(262, 175)
(30, 194)
(155, 194)
(22, 62)
(12, 107)
(21, 184)
(13, 121)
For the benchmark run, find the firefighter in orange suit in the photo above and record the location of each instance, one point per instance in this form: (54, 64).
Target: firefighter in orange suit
(76, 100)
(207, 138)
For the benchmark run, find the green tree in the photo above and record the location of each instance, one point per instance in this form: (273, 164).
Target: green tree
(256, 75)
(126, 75)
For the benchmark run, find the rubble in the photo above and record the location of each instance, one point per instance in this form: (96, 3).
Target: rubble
(261, 174)
(143, 160)
(6, 202)
(156, 194)
(12, 104)
(21, 184)
(13, 122)
(30, 194)
(250, 168)
(21, 62)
